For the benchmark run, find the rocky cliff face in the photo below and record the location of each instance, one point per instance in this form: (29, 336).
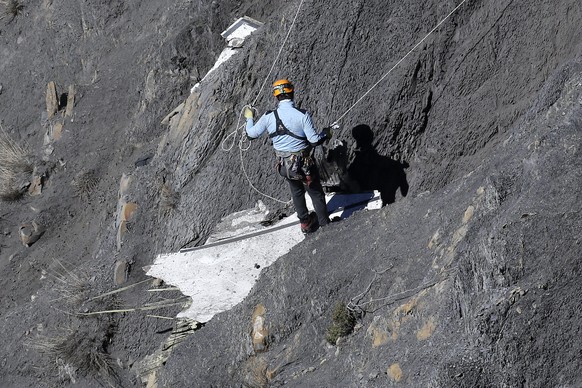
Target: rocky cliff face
(470, 280)
(448, 286)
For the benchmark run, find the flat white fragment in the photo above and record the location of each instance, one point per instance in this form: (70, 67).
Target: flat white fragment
(220, 275)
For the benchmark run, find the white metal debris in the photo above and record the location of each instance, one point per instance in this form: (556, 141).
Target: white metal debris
(221, 275)
(235, 36)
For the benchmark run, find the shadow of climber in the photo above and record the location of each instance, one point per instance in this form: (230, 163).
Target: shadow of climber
(372, 171)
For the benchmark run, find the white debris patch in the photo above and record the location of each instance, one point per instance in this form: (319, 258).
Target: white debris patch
(220, 274)
(240, 223)
(235, 36)
(240, 29)
(219, 277)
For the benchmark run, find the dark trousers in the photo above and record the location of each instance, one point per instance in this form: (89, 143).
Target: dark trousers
(315, 191)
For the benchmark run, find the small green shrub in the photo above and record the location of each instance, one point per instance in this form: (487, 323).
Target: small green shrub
(343, 322)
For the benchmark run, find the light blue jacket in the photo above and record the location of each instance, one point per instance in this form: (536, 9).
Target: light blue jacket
(296, 120)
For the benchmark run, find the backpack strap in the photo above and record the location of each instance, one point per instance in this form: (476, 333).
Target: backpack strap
(282, 129)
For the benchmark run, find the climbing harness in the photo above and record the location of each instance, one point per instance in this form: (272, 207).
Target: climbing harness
(282, 129)
(296, 166)
(335, 123)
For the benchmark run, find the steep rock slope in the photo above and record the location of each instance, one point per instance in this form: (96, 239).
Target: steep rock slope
(118, 69)
(475, 284)
(470, 81)
(468, 113)
(448, 111)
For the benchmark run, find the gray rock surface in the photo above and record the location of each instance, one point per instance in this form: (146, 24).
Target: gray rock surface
(472, 279)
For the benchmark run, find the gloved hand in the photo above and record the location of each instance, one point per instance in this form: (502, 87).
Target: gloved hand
(249, 114)
(328, 131)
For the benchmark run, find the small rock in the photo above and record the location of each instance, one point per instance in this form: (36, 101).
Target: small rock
(0, 89)
(36, 187)
(373, 375)
(30, 233)
(157, 283)
(70, 101)
(257, 266)
(260, 332)
(52, 100)
(120, 272)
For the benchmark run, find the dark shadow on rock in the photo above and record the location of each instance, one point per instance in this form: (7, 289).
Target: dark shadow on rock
(348, 204)
(371, 171)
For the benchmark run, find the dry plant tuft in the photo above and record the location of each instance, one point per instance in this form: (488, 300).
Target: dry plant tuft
(80, 347)
(12, 8)
(79, 350)
(84, 183)
(9, 190)
(72, 287)
(16, 168)
(66, 372)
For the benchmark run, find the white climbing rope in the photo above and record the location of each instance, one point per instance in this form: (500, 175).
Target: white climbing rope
(397, 63)
(279, 53)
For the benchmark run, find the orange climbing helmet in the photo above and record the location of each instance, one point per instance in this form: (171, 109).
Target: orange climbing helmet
(282, 86)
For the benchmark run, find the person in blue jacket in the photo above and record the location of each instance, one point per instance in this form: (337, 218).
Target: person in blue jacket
(294, 136)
